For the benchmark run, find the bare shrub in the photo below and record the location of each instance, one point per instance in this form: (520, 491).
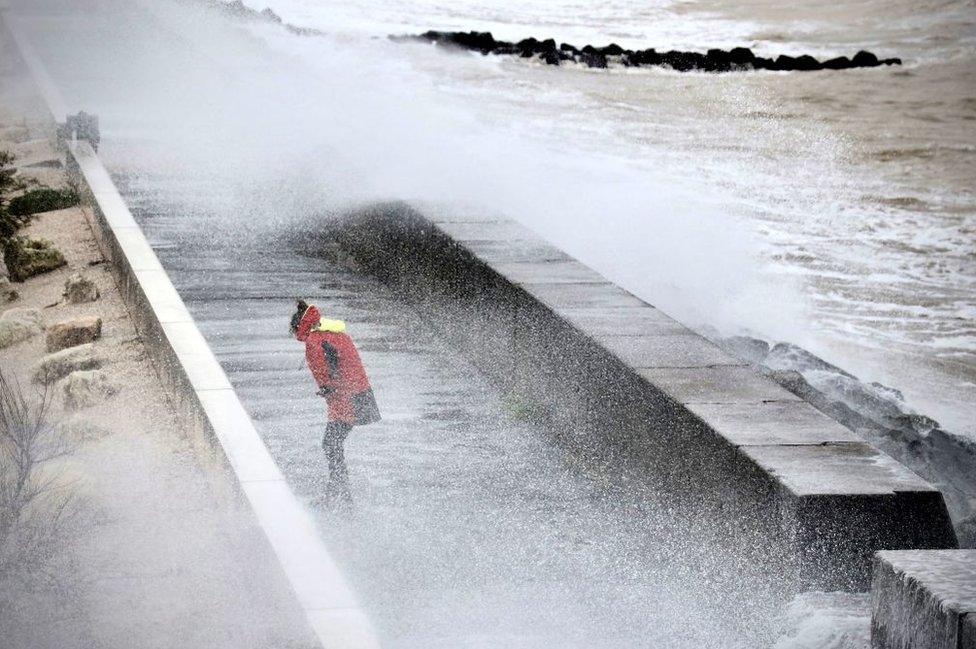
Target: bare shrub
(35, 501)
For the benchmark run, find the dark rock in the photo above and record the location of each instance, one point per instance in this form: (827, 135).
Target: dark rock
(548, 45)
(552, 58)
(807, 63)
(646, 57)
(611, 50)
(715, 60)
(718, 56)
(839, 63)
(684, 61)
(527, 47)
(593, 60)
(741, 56)
(784, 62)
(484, 42)
(865, 59)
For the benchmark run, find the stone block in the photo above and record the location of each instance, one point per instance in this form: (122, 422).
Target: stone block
(923, 599)
(58, 365)
(716, 384)
(85, 388)
(70, 333)
(671, 351)
(78, 289)
(17, 325)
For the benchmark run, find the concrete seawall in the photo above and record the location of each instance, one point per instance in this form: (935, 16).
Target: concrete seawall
(618, 378)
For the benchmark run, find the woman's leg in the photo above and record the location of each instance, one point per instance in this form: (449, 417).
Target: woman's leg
(333, 443)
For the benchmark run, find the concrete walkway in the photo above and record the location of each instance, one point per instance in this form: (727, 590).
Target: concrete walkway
(470, 528)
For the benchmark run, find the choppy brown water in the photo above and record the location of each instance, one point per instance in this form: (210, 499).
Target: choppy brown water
(855, 187)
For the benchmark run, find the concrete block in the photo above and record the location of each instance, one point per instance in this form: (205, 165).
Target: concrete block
(138, 253)
(628, 321)
(772, 423)
(490, 231)
(552, 272)
(672, 351)
(836, 469)
(716, 384)
(622, 381)
(923, 599)
(574, 296)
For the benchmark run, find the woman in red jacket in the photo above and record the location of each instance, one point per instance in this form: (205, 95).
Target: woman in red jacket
(334, 361)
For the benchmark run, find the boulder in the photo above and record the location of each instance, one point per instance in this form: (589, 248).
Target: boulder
(784, 62)
(527, 47)
(593, 60)
(807, 63)
(865, 59)
(611, 50)
(17, 325)
(4, 273)
(85, 388)
(70, 333)
(58, 365)
(741, 56)
(79, 289)
(839, 63)
(29, 257)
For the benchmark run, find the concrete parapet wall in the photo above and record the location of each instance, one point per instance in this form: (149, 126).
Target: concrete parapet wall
(924, 600)
(618, 377)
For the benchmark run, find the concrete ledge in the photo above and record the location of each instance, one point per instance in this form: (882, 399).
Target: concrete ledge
(203, 395)
(619, 378)
(924, 600)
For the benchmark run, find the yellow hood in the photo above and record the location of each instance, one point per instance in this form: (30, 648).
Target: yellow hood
(332, 326)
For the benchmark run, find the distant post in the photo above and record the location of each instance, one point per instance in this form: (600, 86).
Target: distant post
(80, 127)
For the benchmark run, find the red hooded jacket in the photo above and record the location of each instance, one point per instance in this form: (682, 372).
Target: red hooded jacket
(334, 361)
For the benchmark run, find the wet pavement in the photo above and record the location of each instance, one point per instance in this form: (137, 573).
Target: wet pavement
(470, 526)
